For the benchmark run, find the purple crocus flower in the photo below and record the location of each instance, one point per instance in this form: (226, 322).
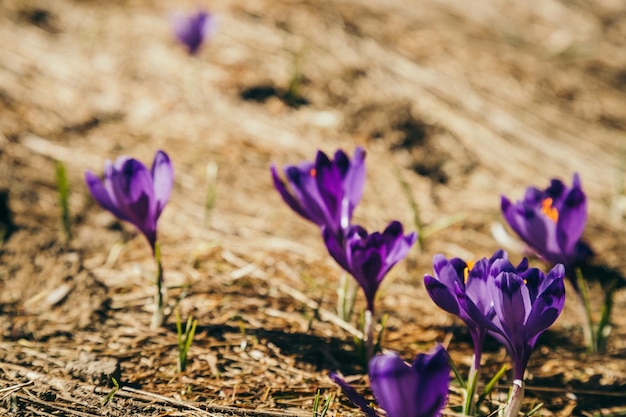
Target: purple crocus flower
(193, 29)
(325, 191)
(369, 257)
(456, 278)
(552, 221)
(403, 390)
(133, 193)
(526, 305)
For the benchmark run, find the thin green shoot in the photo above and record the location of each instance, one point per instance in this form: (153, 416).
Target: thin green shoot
(605, 316)
(63, 190)
(211, 195)
(293, 97)
(534, 410)
(116, 388)
(316, 404)
(346, 295)
(457, 374)
(491, 385)
(584, 295)
(468, 404)
(360, 348)
(184, 340)
(379, 338)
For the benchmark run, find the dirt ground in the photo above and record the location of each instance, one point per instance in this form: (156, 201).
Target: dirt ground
(462, 101)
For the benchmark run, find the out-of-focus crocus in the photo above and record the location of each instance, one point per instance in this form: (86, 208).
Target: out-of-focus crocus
(369, 257)
(418, 390)
(403, 390)
(194, 29)
(137, 195)
(455, 277)
(134, 193)
(552, 221)
(325, 191)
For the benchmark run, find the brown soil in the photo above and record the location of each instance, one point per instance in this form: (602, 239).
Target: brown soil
(464, 101)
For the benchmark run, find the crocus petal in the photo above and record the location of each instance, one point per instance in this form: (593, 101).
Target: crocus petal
(511, 300)
(352, 395)
(442, 295)
(449, 271)
(394, 385)
(328, 183)
(572, 220)
(133, 190)
(398, 244)
(434, 371)
(130, 192)
(556, 191)
(281, 187)
(546, 309)
(335, 248)
(163, 180)
(512, 305)
(304, 185)
(476, 319)
(354, 180)
(101, 195)
(366, 266)
(419, 390)
(477, 286)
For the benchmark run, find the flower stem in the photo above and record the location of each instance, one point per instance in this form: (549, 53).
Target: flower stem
(515, 399)
(605, 317)
(583, 293)
(368, 331)
(157, 317)
(346, 293)
(472, 379)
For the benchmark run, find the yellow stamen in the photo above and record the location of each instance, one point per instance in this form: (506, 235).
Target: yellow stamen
(313, 172)
(549, 210)
(466, 271)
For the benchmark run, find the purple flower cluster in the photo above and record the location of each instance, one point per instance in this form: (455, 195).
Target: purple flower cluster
(515, 304)
(326, 193)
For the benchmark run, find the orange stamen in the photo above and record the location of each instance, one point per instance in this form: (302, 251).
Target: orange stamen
(549, 210)
(313, 172)
(466, 271)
